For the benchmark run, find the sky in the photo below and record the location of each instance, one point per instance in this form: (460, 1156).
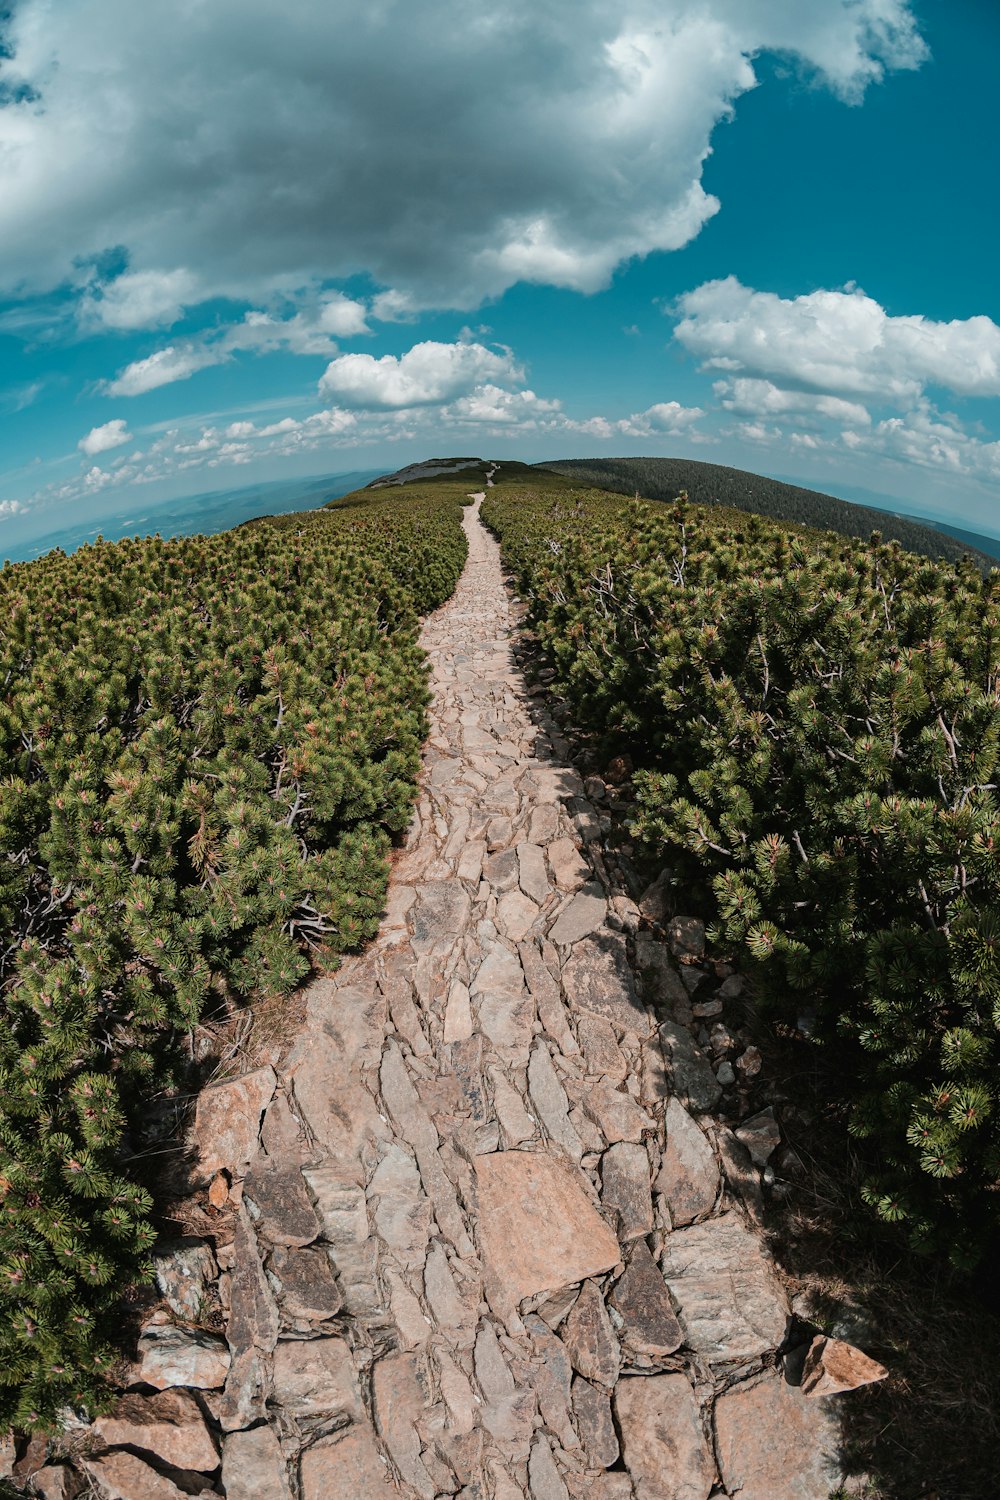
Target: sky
(241, 242)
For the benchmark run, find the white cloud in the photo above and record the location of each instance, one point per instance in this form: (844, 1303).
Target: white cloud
(247, 152)
(429, 373)
(175, 362)
(11, 507)
(101, 439)
(837, 342)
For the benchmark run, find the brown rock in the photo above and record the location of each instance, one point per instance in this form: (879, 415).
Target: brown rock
(641, 1298)
(8, 1454)
(662, 1440)
(400, 1207)
(616, 1114)
(516, 1124)
(346, 1467)
(218, 1192)
(598, 978)
(170, 1356)
(552, 1380)
(253, 1467)
(590, 1338)
(122, 1476)
(740, 1173)
(56, 1482)
(316, 1377)
(532, 876)
(309, 1290)
(594, 1423)
(278, 1192)
(538, 1229)
(399, 1402)
(227, 1121)
(689, 1174)
(168, 1425)
(569, 869)
(832, 1366)
(625, 1190)
(775, 1444)
(731, 1303)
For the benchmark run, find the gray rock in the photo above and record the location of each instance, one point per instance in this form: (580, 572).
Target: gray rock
(689, 1070)
(544, 1479)
(569, 869)
(583, 915)
(549, 1099)
(597, 978)
(170, 1356)
(399, 1401)
(731, 1303)
(501, 871)
(761, 1134)
(532, 875)
(183, 1269)
(616, 1113)
(686, 936)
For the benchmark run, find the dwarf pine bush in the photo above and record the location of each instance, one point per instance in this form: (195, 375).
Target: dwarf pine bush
(816, 724)
(208, 745)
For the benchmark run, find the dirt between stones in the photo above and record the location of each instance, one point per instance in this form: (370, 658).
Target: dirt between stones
(476, 1235)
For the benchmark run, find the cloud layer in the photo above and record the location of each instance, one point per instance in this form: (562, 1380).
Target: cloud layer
(446, 149)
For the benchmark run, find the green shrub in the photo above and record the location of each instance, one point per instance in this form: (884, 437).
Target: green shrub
(209, 744)
(817, 727)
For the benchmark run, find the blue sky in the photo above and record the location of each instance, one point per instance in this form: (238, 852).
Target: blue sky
(241, 244)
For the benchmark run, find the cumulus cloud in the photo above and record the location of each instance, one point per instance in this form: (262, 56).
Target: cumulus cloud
(429, 373)
(11, 507)
(836, 342)
(239, 151)
(102, 439)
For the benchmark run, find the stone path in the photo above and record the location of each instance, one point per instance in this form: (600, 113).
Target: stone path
(488, 1241)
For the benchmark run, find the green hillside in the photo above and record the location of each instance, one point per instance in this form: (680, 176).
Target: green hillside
(714, 484)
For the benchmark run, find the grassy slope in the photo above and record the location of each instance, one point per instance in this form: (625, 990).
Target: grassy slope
(707, 484)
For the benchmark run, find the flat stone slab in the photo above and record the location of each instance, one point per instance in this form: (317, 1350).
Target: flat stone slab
(730, 1301)
(169, 1425)
(641, 1299)
(597, 978)
(346, 1468)
(538, 1229)
(583, 915)
(774, 1443)
(663, 1443)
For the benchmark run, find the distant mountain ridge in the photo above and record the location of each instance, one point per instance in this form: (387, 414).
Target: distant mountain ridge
(715, 484)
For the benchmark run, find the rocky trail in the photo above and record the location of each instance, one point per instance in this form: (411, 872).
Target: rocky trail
(477, 1232)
